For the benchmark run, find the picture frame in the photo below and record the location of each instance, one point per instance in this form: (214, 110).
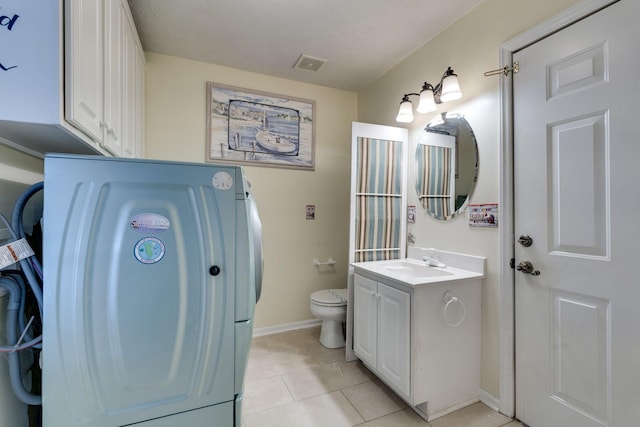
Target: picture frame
(258, 128)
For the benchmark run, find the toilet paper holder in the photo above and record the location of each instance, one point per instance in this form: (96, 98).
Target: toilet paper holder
(330, 262)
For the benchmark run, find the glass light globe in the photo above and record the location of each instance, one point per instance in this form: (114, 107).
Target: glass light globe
(427, 103)
(450, 89)
(405, 113)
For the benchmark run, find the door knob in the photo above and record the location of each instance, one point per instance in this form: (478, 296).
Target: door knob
(525, 240)
(527, 267)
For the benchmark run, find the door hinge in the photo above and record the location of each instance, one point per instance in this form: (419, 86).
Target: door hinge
(512, 263)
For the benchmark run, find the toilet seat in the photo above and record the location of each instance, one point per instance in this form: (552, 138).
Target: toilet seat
(330, 297)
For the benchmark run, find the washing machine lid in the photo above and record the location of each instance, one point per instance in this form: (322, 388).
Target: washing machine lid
(330, 297)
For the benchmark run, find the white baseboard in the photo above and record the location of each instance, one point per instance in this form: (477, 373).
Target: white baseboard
(286, 327)
(444, 412)
(490, 400)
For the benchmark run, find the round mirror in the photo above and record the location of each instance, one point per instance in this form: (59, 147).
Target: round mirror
(446, 166)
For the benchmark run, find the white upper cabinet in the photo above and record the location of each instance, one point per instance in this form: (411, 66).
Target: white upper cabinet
(133, 83)
(84, 68)
(114, 88)
(68, 80)
(103, 71)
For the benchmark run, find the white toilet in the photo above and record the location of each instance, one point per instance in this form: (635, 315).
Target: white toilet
(330, 306)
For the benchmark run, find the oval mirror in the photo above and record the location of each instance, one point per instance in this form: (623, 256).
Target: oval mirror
(446, 166)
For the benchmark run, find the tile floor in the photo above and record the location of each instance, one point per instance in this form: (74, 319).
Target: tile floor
(292, 380)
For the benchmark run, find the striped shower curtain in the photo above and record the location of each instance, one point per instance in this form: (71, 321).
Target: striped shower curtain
(378, 200)
(435, 173)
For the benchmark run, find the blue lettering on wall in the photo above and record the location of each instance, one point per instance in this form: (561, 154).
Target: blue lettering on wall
(8, 22)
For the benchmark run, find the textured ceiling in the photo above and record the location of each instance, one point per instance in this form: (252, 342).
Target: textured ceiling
(359, 39)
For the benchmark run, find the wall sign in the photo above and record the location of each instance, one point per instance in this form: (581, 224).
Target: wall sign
(311, 212)
(411, 214)
(485, 215)
(31, 60)
(7, 24)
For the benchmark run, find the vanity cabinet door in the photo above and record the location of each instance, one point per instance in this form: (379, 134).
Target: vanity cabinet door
(394, 334)
(365, 320)
(382, 331)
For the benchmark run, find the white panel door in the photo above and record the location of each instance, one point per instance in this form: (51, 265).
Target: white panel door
(394, 335)
(576, 166)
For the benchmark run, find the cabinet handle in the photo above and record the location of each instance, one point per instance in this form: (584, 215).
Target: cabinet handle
(103, 124)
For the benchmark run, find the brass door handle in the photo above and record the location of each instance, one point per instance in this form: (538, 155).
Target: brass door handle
(527, 267)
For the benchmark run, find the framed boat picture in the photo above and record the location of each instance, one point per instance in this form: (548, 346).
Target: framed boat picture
(259, 128)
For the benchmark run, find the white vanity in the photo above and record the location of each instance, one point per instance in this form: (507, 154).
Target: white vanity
(417, 327)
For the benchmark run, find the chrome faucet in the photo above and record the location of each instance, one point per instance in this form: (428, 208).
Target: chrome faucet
(433, 261)
(411, 239)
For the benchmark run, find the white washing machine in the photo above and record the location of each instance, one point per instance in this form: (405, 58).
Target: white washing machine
(151, 274)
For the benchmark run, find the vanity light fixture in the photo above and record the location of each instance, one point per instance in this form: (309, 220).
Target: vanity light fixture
(448, 89)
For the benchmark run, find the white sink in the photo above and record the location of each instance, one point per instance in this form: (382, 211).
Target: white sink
(413, 271)
(402, 267)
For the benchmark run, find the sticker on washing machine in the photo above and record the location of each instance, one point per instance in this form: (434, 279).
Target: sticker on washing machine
(14, 252)
(149, 250)
(150, 223)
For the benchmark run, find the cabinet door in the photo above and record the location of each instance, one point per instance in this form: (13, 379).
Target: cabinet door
(114, 75)
(133, 90)
(394, 334)
(365, 327)
(84, 69)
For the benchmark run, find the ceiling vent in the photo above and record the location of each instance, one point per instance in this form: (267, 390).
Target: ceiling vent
(309, 63)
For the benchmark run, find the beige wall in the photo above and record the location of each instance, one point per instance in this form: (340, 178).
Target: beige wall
(19, 167)
(175, 130)
(471, 47)
(175, 127)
